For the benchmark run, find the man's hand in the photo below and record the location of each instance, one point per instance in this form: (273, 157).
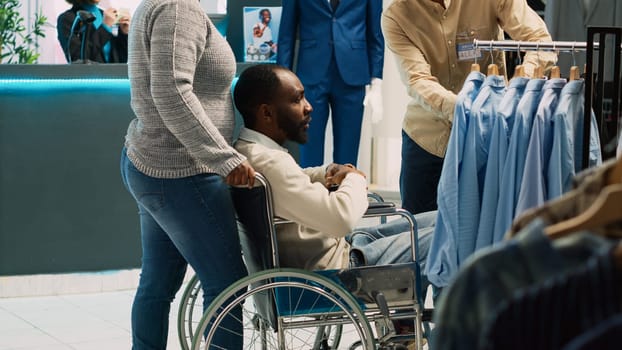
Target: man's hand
(335, 173)
(124, 25)
(110, 16)
(242, 175)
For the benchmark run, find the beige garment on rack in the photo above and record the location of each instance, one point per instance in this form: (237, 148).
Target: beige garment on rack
(573, 203)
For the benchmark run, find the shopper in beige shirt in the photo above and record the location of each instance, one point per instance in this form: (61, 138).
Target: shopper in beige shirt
(432, 41)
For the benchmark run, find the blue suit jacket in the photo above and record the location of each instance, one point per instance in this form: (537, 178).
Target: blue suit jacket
(352, 35)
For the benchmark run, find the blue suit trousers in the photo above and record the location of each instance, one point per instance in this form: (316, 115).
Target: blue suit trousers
(345, 102)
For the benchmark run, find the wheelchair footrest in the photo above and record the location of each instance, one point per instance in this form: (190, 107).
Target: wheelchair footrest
(396, 282)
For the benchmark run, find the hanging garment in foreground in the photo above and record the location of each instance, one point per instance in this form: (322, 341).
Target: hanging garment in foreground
(544, 288)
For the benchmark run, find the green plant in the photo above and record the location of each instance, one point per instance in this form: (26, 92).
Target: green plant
(18, 44)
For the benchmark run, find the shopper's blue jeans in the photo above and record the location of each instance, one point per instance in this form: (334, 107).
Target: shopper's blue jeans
(419, 176)
(390, 243)
(183, 221)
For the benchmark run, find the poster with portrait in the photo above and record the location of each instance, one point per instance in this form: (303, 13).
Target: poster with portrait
(261, 31)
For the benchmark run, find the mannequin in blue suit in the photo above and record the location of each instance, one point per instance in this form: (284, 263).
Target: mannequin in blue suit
(340, 52)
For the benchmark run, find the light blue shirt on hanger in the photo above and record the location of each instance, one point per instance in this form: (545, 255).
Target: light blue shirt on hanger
(442, 257)
(499, 141)
(561, 163)
(471, 180)
(515, 160)
(533, 186)
(575, 121)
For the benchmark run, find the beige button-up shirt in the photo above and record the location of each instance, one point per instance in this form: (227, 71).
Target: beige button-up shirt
(321, 219)
(433, 47)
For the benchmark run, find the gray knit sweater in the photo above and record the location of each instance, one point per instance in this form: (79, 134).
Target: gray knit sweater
(180, 71)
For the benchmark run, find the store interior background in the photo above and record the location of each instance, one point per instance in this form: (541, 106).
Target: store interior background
(69, 251)
(59, 294)
(379, 154)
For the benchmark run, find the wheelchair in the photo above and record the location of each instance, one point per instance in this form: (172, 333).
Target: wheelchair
(286, 308)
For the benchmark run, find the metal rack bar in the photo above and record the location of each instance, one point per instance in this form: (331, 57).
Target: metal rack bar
(590, 46)
(513, 45)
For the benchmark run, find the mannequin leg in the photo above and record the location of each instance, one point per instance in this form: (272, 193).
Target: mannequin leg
(312, 153)
(347, 119)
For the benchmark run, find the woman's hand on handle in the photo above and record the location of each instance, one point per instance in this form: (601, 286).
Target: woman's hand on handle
(242, 175)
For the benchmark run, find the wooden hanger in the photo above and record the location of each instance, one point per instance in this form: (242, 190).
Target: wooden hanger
(605, 210)
(555, 73)
(615, 174)
(575, 74)
(493, 69)
(475, 67)
(519, 71)
(538, 73)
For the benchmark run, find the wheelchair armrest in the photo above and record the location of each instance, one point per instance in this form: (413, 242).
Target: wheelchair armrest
(380, 208)
(374, 197)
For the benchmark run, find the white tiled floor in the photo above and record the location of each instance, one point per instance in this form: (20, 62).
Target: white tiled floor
(94, 321)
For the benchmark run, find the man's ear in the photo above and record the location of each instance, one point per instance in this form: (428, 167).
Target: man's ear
(265, 112)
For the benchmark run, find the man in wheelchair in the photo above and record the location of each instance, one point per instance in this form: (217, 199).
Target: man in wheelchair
(324, 203)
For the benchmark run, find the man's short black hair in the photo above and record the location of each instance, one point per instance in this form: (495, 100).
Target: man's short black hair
(256, 85)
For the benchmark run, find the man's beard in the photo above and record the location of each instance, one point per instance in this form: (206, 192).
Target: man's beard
(295, 131)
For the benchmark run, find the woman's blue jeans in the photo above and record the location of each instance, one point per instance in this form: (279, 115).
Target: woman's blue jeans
(183, 221)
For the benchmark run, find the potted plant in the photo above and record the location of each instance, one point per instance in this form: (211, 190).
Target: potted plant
(18, 44)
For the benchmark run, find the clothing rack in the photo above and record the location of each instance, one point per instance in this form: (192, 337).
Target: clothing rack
(594, 86)
(513, 45)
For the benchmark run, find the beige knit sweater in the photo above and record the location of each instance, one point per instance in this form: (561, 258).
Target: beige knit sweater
(180, 70)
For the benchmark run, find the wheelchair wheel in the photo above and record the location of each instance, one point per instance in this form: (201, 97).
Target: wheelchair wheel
(190, 312)
(283, 309)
